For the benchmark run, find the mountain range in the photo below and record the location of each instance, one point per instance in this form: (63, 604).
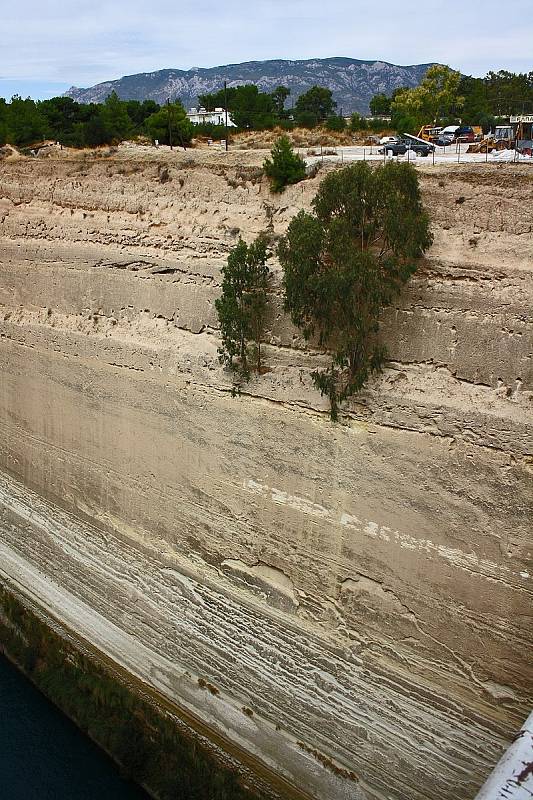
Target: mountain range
(352, 82)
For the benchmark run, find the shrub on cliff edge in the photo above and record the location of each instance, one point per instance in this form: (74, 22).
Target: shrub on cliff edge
(285, 167)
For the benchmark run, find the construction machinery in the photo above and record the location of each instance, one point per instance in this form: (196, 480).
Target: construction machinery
(429, 133)
(502, 138)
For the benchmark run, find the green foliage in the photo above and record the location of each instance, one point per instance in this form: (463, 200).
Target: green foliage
(476, 104)
(317, 101)
(285, 167)
(95, 132)
(138, 112)
(241, 308)
(173, 116)
(336, 123)
(279, 96)
(436, 97)
(445, 97)
(306, 119)
(4, 112)
(380, 105)
(115, 118)
(509, 93)
(209, 129)
(376, 125)
(346, 261)
(498, 94)
(61, 114)
(26, 122)
(402, 122)
(286, 124)
(250, 109)
(357, 122)
(126, 722)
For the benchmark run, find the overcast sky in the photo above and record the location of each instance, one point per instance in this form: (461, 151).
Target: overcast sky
(45, 47)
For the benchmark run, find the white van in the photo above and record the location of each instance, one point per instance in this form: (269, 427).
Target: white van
(449, 130)
(447, 135)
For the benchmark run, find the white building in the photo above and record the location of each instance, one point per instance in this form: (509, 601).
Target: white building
(217, 117)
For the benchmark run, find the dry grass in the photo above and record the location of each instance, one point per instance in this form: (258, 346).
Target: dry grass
(299, 137)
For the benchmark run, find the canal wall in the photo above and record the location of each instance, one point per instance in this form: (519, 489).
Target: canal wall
(349, 605)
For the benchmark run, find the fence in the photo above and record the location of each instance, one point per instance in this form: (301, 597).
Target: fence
(454, 153)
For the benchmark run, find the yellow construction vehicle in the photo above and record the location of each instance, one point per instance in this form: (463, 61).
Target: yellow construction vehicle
(430, 133)
(501, 139)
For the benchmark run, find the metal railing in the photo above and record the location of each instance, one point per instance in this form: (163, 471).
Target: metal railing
(512, 777)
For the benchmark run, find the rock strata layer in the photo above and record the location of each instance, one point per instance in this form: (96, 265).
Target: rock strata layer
(358, 596)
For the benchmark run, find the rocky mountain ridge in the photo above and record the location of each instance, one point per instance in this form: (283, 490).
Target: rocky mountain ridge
(353, 82)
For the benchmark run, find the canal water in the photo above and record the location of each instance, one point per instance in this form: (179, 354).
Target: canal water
(43, 756)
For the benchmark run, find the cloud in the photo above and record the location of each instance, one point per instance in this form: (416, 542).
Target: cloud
(83, 43)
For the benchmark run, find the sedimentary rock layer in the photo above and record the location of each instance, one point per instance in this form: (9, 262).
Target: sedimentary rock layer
(358, 594)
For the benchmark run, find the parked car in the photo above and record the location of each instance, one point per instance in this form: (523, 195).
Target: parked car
(401, 146)
(456, 133)
(465, 133)
(387, 139)
(449, 130)
(445, 139)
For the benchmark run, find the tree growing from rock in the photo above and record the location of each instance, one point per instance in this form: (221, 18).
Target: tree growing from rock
(242, 307)
(346, 261)
(285, 167)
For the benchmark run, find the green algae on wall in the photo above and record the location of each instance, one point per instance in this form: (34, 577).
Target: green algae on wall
(145, 741)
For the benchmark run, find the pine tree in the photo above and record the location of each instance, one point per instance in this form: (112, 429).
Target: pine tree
(286, 166)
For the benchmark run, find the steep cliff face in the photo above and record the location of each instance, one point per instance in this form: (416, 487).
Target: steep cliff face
(358, 595)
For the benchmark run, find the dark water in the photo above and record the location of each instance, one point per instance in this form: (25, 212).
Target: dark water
(43, 756)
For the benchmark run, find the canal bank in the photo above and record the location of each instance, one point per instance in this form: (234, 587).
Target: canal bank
(150, 746)
(44, 755)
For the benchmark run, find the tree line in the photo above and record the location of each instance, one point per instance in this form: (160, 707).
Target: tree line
(25, 121)
(444, 96)
(251, 109)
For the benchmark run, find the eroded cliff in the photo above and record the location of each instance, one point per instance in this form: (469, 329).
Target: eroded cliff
(358, 594)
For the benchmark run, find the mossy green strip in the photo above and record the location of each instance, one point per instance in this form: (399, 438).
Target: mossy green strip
(143, 739)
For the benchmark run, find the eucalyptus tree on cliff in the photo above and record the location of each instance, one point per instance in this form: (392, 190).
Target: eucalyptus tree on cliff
(346, 261)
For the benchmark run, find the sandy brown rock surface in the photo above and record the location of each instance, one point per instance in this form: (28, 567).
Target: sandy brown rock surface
(365, 588)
